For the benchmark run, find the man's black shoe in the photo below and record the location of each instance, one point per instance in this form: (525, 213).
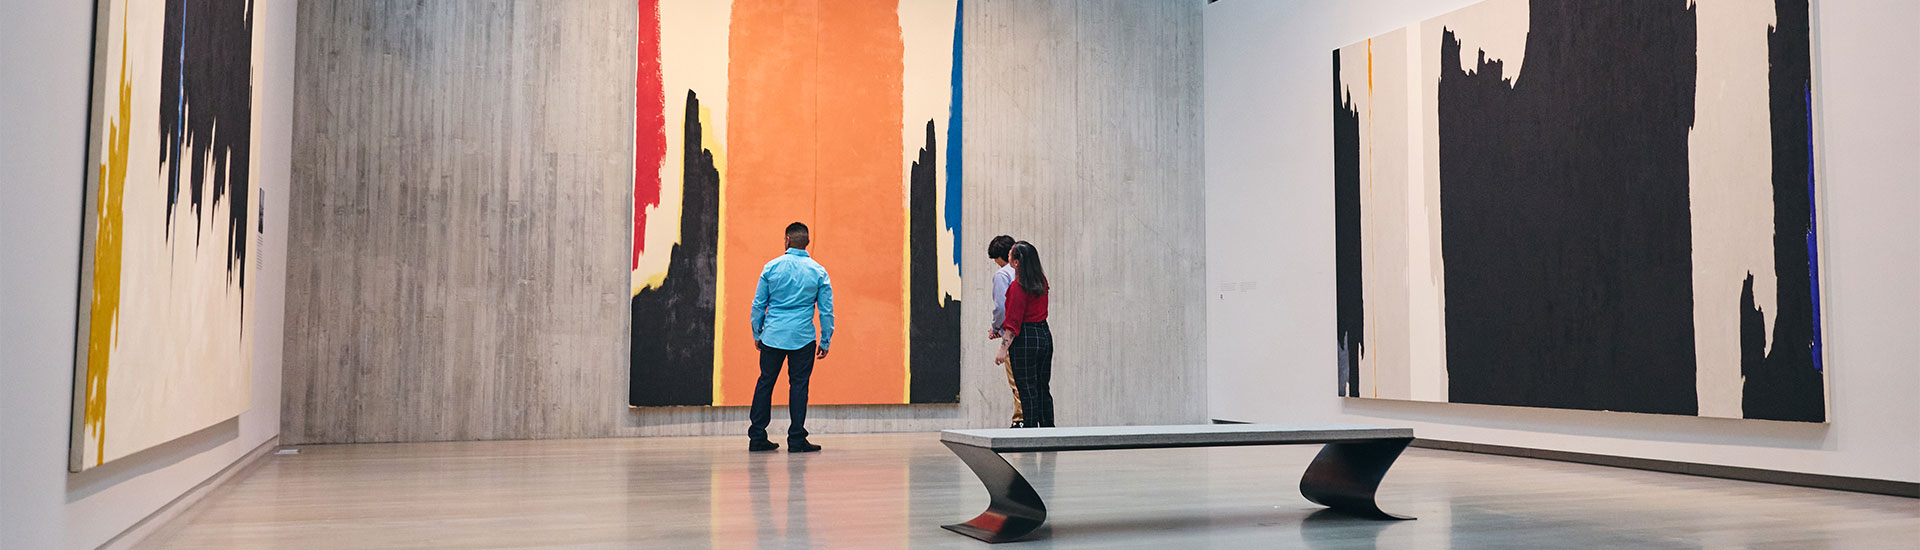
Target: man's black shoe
(1018, 425)
(801, 446)
(762, 445)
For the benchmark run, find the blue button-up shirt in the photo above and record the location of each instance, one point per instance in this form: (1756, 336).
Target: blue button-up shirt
(791, 287)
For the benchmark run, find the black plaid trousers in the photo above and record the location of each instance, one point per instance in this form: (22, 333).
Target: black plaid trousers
(1031, 357)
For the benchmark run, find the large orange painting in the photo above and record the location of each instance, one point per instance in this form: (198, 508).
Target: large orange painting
(758, 113)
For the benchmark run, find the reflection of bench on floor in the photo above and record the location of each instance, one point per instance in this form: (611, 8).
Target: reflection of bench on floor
(1343, 477)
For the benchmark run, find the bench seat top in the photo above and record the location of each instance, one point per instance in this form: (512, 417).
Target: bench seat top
(1144, 437)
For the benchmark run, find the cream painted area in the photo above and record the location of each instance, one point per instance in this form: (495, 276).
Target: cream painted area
(1496, 27)
(1730, 170)
(181, 352)
(926, 31)
(1426, 280)
(1375, 71)
(693, 54)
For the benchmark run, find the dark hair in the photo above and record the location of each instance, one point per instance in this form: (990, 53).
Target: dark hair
(797, 234)
(1031, 278)
(997, 248)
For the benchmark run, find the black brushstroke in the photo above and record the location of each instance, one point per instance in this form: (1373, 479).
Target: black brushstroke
(1565, 216)
(1786, 383)
(934, 328)
(206, 103)
(672, 350)
(1350, 303)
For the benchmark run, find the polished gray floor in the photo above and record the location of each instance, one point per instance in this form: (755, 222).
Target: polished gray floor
(895, 490)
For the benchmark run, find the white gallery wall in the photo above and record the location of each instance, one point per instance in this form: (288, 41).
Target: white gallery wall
(1270, 248)
(45, 51)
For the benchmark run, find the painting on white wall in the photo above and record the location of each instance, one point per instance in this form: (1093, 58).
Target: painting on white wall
(1600, 206)
(165, 343)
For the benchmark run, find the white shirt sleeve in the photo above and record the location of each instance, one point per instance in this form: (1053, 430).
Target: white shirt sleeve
(1001, 280)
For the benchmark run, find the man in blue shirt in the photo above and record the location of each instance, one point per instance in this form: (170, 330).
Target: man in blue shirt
(791, 287)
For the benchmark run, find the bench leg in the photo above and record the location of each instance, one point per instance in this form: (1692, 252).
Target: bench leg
(1344, 476)
(1014, 509)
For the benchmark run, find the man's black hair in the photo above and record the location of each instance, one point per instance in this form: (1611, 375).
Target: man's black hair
(797, 235)
(998, 247)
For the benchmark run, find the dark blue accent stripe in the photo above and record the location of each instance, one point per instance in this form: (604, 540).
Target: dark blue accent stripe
(1813, 257)
(953, 136)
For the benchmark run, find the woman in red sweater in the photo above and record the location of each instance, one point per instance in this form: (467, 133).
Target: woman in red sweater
(1027, 341)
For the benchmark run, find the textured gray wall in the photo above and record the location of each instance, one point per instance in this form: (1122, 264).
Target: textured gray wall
(461, 176)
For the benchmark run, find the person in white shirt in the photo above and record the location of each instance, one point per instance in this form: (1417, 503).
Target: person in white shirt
(997, 250)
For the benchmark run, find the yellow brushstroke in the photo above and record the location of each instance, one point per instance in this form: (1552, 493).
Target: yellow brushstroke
(105, 313)
(653, 281)
(710, 141)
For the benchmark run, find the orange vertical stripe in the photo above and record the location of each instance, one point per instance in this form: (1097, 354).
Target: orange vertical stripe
(771, 160)
(861, 208)
(814, 136)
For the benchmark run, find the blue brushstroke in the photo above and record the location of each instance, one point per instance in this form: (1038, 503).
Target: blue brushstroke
(179, 131)
(953, 138)
(1813, 258)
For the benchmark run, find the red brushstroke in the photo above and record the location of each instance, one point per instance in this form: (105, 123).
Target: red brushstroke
(649, 125)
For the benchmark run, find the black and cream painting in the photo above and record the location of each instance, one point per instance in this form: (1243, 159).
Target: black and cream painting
(1582, 205)
(165, 345)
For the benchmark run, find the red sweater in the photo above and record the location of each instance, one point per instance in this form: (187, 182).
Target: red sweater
(1023, 308)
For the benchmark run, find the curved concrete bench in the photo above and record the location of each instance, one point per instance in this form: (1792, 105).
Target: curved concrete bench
(1343, 476)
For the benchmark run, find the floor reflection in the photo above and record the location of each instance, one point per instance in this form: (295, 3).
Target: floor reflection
(895, 490)
(797, 519)
(1327, 529)
(839, 498)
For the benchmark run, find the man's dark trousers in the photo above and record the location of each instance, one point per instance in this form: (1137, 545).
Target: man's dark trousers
(800, 371)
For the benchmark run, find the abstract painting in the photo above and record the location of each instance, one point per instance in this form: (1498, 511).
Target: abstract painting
(165, 343)
(1600, 206)
(753, 114)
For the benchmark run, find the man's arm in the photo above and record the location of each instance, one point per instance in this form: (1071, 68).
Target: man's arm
(824, 301)
(759, 315)
(1001, 280)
